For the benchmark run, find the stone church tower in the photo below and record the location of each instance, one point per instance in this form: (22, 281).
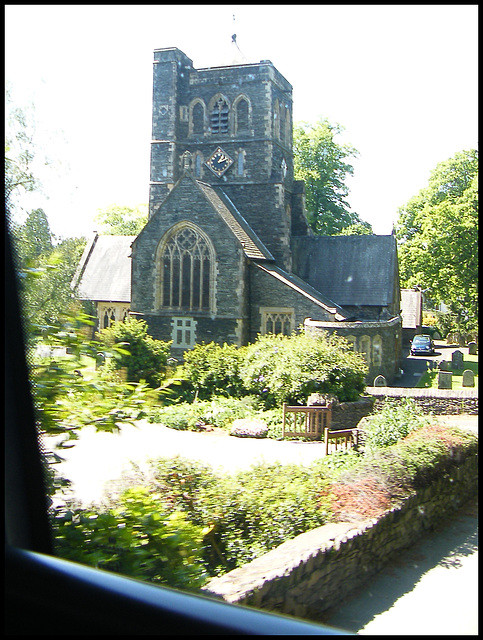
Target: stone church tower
(232, 126)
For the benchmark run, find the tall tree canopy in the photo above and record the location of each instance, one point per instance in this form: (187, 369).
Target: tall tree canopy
(116, 220)
(437, 233)
(323, 165)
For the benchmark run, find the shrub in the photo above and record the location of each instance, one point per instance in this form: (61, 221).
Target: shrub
(214, 370)
(288, 369)
(139, 538)
(144, 358)
(394, 421)
(219, 412)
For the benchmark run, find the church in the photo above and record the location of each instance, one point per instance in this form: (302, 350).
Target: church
(227, 253)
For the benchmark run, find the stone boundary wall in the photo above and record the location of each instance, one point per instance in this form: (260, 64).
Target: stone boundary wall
(315, 571)
(347, 415)
(437, 401)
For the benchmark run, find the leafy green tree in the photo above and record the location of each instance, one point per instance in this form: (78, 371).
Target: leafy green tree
(437, 235)
(67, 397)
(144, 357)
(48, 294)
(33, 238)
(19, 151)
(357, 229)
(122, 221)
(323, 165)
(290, 368)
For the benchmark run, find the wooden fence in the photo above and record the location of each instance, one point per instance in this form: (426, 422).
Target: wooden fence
(308, 422)
(314, 422)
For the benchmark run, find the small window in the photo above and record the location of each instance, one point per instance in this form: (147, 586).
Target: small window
(277, 321)
(198, 118)
(242, 116)
(240, 164)
(183, 333)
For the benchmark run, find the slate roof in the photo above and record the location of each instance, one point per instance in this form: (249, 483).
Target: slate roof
(295, 283)
(352, 270)
(104, 271)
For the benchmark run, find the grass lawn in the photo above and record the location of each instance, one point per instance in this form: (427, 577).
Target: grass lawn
(429, 380)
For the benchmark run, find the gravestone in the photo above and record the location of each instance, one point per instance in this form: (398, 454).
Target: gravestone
(468, 378)
(457, 360)
(380, 381)
(472, 348)
(443, 365)
(445, 380)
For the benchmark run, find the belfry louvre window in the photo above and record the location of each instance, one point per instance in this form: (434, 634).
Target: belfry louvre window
(219, 117)
(187, 261)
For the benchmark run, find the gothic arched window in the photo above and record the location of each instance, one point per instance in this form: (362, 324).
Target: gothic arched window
(186, 261)
(219, 116)
(242, 115)
(198, 117)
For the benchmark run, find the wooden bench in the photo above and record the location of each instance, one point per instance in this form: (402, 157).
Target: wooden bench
(341, 439)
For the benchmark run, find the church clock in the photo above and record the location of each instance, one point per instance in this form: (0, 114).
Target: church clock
(219, 162)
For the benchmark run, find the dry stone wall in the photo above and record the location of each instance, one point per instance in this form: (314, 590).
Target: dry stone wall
(312, 573)
(437, 401)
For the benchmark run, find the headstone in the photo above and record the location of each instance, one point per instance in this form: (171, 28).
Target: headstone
(472, 348)
(457, 360)
(468, 378)
(445, 380)
(380, 381)
(443, 365)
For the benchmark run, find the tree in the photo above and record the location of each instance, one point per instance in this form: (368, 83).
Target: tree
(18, 150)
(34, 238)
(122, 221)
(322, 164)
(47, 294)
(437, 233)
(145, 358)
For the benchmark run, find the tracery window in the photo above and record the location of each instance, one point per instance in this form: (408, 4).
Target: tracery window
(187, 270)
(219, 116)
(277, 321)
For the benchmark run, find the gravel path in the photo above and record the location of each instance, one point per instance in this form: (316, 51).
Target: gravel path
(100, 458)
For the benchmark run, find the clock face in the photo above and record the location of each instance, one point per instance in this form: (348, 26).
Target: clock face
(219, 162)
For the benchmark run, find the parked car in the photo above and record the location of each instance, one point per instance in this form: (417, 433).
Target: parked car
(434, 332)
(422, 345)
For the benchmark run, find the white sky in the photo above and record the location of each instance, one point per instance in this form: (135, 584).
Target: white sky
(401, 80)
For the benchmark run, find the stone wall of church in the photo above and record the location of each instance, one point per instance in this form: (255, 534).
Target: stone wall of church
(380, 342)
(267, 291)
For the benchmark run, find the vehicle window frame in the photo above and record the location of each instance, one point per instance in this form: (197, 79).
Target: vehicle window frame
(48, 595)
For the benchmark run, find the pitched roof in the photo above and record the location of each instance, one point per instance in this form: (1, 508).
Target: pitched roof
(304, 289)
(251, 243)
(353, 270)
(104, 271)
